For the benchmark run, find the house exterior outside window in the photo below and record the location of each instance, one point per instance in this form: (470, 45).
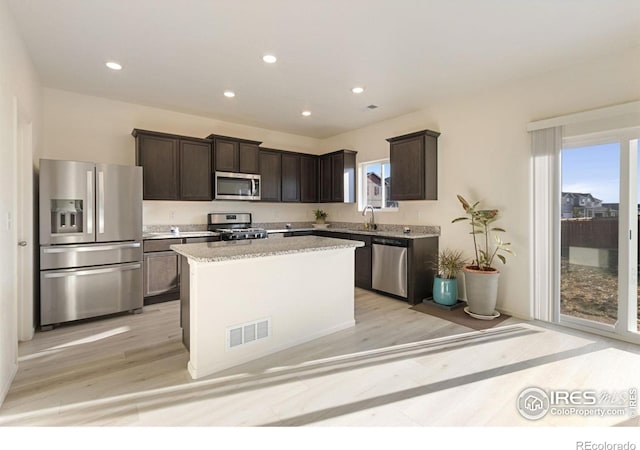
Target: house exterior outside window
(375, 185)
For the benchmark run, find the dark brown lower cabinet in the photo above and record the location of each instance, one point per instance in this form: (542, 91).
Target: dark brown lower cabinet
(421, 252)
(184, 305)
(162, 268)
(161, 271)
(363, 262)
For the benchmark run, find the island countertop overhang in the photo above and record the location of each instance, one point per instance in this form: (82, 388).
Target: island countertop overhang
(257, 248)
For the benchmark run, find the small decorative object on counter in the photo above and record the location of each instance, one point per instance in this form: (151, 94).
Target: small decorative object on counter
(445, 283)
(321, 216)
(175, 230)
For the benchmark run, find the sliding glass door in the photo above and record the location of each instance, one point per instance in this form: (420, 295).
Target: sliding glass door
(598, 228)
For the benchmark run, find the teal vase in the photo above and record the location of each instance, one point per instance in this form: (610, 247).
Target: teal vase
(445, 291)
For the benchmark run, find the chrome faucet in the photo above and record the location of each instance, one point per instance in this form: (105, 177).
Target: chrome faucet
(371, 225)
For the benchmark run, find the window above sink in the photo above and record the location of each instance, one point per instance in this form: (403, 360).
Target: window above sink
(374, 182)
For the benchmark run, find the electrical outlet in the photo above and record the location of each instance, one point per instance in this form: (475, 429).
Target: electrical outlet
(9, 221)
(172, 215)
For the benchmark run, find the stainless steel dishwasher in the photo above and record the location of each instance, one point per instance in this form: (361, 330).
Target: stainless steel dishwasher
(389, 266)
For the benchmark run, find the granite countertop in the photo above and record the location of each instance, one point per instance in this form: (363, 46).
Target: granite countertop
(256, 248)
(381, 233)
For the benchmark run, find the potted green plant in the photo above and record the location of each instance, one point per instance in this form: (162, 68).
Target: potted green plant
(481, 278)
(321, 216)
(445, 284)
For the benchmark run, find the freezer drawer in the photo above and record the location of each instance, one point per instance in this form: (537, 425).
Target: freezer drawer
(67, 256)
(73, 294)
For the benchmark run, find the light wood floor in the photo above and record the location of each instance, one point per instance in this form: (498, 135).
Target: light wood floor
(396, 367)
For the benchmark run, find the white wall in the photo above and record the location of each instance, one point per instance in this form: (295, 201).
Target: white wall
(81, 127)
(19, 87)
(484, 154)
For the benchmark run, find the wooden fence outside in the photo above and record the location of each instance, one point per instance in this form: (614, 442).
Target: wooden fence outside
(591, 233)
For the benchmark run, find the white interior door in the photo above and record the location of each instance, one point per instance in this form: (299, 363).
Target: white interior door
(23, 148)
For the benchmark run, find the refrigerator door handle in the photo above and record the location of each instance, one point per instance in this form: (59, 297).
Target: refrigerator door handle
(96, 248)
(101, 202)
(89, 201)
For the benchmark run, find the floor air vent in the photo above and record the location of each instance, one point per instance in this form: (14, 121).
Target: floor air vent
(248, 332)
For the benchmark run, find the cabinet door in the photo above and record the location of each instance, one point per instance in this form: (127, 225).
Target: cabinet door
(407, 169)
(270, 176)
(226, 155)
(195, 171)
(249, 155)
(337, 177)
(308, 179)
(363, 261)
(159, 158)
(161, 273)
(290, 178)
(326, 179)
(363, 267)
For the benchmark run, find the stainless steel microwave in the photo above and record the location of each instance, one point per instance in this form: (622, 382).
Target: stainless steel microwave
(237, 186)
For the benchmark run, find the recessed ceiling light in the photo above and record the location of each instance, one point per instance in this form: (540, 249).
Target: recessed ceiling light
(269, 59)
(113, 65)
(306, 113)
(357, 90)
(229, 94)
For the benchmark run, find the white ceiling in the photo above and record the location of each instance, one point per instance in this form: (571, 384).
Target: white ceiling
(182, 54)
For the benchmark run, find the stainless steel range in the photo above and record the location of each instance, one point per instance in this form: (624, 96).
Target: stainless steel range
(234, 226)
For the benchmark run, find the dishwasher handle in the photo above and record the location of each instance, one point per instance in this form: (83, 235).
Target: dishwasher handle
(391, 242)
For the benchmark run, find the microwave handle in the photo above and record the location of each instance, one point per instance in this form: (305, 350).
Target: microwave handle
(253, 186)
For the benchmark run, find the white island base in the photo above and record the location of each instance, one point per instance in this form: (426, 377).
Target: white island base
(243, 309)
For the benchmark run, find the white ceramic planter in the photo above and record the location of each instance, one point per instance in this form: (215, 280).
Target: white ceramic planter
(481, 288)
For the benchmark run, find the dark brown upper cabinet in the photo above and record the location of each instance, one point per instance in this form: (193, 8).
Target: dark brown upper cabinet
(290, 177)
(414, 166)
(173, 167)
(235, 155)
(338, 177)
(270, 175)
(325, 179)
(308, 178)
(195, 170)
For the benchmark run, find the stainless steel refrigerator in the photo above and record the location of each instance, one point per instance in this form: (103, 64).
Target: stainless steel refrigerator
(90, 240)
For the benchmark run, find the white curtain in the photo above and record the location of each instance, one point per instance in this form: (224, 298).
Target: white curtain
(546, 145)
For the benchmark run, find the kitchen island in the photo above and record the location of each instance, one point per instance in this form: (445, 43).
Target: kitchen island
(241, 300)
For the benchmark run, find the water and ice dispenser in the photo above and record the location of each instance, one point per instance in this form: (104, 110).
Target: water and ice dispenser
(66, 216)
